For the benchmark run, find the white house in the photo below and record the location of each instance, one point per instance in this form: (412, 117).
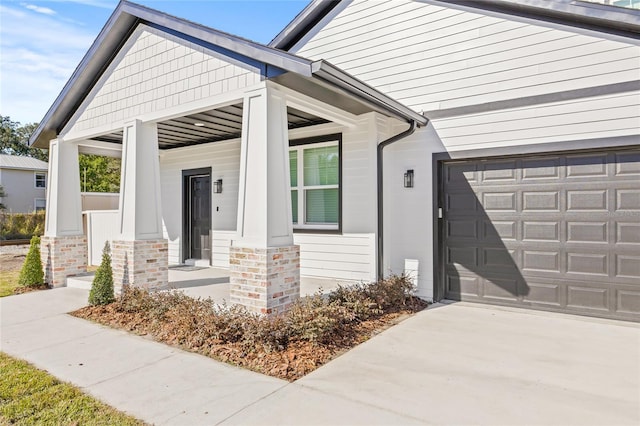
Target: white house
(24, 181)
(493, 147)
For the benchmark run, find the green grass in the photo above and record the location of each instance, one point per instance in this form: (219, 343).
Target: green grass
(8, 282)
(29, 396)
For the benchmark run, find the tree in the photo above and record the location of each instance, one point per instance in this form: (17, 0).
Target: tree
(99, 174)
(31, 274)
(14, 139)
(2, 194)
(102, 286)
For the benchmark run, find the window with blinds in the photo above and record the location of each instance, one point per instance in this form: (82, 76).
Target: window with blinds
(315, 184)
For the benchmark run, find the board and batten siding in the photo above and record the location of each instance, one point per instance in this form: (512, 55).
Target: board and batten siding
(157, 71)
(435, 56)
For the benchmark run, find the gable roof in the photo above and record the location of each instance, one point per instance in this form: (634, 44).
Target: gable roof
(127, 16)
(583, 14)
(21, 162)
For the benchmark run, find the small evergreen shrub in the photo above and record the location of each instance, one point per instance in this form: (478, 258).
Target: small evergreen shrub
(31, 274)
(102, 286)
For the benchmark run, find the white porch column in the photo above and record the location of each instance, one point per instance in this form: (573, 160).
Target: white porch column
(264, 262)
(63, 247)
(140, 255)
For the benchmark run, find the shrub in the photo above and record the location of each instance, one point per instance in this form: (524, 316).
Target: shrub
(21, 225)
(323, 319)
(31, 274)
(102, 286)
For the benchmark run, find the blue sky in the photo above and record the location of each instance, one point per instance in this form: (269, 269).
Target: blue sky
(42, 42)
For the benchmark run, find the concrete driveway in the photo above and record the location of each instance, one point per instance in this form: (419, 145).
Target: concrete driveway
(470, 364)
(451, 364)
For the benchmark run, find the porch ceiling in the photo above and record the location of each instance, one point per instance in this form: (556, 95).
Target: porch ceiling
(217, 124)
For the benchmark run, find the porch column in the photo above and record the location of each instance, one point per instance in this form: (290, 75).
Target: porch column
(264, 262)
(63, 248)
(140, 254)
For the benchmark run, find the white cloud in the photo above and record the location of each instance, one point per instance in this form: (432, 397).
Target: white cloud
(39, 54)
(39, 9)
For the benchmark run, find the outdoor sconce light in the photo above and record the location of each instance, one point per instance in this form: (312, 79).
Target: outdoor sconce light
(217, 186)
(408, 179)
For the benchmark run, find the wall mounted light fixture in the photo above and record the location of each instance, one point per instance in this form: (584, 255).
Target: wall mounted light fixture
(408, 179)
(217, 186)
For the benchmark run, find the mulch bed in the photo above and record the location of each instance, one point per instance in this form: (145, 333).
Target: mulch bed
(294, 361)
(29, 289)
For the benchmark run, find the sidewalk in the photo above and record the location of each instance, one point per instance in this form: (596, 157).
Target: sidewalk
(451, 364)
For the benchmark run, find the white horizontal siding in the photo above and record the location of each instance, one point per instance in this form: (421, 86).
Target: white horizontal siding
(587, 118)
(221, 243)
(155, 71)
(346, 257)
(435, 57)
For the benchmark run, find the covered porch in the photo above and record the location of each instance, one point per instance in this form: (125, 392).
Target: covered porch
(205, 124)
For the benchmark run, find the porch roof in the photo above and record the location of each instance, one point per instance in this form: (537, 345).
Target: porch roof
(318, 79)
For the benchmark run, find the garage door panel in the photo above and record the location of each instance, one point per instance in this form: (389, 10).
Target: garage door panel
(541, 201)
(589, 165)
(499, 171)
(588, 232)
(541, 261)
(628, 233)
(462, 228)
(540, 231)
(468, 286)
(540, 168)
(501, 288)
(558, 232)
(587, 200)
(499, 201)
(499, 230)
(587, 298)
(628, 200)
(462, 203)
(627, 301)
(548, 294)
(628, 266)
(587, 264)
(627, 164)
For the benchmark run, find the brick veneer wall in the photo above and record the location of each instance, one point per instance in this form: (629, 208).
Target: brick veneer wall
(265, 280)
(142, 263)
(63, 257)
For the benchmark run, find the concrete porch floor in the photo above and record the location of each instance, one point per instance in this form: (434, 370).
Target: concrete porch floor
(211, 282)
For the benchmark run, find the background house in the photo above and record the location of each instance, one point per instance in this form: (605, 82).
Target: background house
(24, 180)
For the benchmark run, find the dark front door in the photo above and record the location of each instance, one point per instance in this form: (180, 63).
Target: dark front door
(200, 217)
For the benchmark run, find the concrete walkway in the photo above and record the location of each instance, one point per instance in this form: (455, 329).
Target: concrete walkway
(451, 364)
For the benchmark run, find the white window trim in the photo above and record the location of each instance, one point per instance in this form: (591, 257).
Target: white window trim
(35, 180)
(301, 188)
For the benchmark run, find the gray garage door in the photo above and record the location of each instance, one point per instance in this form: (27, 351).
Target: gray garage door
(556, 232)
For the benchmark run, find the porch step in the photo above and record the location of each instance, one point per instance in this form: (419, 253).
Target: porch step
(202, 263)
(81, 281)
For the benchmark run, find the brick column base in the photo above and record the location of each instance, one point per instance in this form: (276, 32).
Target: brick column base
(141, 263)
(63, 257)
(265, 280)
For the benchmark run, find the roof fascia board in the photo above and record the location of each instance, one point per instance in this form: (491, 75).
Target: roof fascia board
(325, 71)
(303, 23)
(603, 18)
